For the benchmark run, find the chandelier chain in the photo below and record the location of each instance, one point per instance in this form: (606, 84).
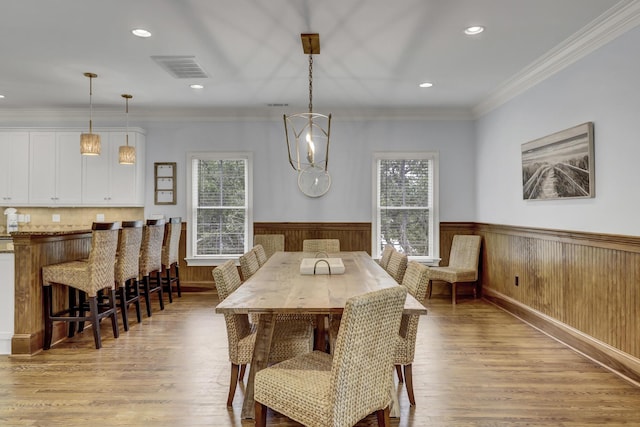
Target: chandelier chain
(310, 83)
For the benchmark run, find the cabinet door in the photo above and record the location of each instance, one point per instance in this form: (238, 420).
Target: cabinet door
(96, 174)
(42, 168)
(106, 181)
(123, 177)
(69, 168)
(14, 168)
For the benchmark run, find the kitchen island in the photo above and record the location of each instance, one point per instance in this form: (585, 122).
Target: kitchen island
(32, 251)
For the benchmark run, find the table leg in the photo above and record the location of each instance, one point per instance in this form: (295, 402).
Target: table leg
(320, 341)
(259, 361)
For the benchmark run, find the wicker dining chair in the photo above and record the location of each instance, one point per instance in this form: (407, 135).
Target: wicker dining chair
(416, 280)
(397, 265)
(463, 265)
(386, 256)
(289, 338)
(126, 269)
(88, 276)
(261, 254)
(319, 390)
(248, 264)
(151, 262)
(321, 245)
(169, 257)
(272, 243)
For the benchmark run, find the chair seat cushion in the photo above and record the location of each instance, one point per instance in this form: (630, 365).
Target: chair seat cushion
(452, 274)
(298, 388)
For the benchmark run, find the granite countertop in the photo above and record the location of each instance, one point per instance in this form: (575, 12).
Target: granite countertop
(48, 233)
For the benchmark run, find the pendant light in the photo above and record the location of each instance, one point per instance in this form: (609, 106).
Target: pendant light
(127, 153)
(90, 142)
(307, 135)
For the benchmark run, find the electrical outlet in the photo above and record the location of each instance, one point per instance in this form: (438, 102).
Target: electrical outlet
(100, 217)
(20, 217)
(517, 281)
(27, 218)
(55, 218)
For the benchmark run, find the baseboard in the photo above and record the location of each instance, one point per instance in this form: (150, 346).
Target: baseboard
(622, 364)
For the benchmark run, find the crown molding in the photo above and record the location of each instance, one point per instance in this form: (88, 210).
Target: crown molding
(616, 21)
(112, 117)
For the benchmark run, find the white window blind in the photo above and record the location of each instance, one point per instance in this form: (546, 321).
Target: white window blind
(220, 205)
(406, 217)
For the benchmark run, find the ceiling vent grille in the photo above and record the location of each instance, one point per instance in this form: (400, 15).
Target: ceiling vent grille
(181, 67)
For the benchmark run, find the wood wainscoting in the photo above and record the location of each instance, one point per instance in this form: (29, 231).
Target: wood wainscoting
(580, 288)
(353, 236)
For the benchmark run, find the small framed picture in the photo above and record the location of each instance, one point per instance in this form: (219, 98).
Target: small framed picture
(165, 183)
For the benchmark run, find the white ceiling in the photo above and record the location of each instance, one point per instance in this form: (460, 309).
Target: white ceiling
(374, 53)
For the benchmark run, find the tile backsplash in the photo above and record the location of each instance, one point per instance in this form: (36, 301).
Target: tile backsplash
(69, 218)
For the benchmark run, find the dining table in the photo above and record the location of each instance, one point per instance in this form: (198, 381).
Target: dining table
(279, 287)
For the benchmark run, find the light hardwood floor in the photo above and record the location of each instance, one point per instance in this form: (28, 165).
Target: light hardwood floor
(476, 366)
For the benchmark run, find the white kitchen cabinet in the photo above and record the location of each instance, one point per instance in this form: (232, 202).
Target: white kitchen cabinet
(14, 168)
(106, 181)
(55, 169)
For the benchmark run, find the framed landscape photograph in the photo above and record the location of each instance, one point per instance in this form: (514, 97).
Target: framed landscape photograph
(559, 166)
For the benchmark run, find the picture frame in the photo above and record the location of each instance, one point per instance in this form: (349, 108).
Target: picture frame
(165, 183)
(560, 165)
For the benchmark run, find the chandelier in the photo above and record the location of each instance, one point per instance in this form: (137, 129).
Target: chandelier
(307, 135)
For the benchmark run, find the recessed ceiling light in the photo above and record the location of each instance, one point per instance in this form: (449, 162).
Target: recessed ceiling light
(473, 30)
(1, 96)
(196, 86)
(141, 32)
(426, 84)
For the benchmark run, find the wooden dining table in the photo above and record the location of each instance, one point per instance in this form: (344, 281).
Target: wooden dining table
(279, 287)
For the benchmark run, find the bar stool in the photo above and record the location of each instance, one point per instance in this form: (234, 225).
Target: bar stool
(127, 267)
(87, 276)
(170, 255)
(150, 262)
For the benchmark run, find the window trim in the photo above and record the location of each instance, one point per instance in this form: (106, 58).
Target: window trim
(434, 235)
(213, 260)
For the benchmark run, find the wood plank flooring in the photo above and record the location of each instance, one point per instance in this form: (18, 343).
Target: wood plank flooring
(475, 366)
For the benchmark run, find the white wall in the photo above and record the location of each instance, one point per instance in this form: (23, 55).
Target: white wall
(276, 195)
(604, 88)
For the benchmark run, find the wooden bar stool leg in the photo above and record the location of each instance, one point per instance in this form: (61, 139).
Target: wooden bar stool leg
(178, 280)
(73, 310)
(160, 296)
(168, 278)
(114, 313)
(147, 299)
(93, 312)
(122, 294)
(82, 301)
(135, 293)
(48, 312)
(399, 372)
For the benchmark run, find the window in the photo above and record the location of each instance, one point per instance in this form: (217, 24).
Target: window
(219, 206)
(405, 210)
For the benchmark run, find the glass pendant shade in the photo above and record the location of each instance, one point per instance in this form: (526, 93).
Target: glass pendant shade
(308, 133)
(90, 142)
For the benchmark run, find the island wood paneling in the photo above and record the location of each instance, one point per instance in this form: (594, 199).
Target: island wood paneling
(32, 252)
(581, 288)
